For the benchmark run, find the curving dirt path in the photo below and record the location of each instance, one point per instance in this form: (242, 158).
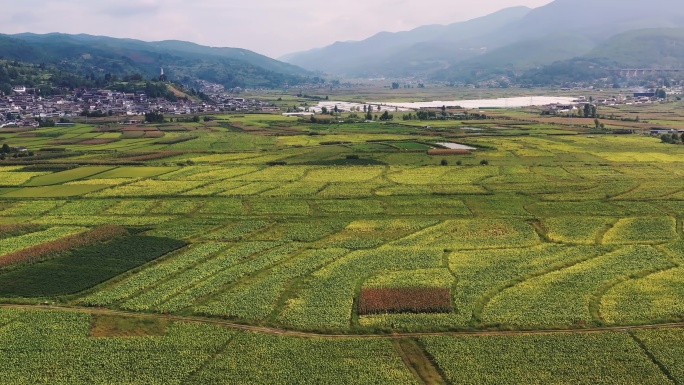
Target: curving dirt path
(294, 333)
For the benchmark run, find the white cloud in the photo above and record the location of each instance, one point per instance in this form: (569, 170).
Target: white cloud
(266, 26)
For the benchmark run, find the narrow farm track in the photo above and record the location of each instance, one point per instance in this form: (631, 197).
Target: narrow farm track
(417, 361)
(294, 333)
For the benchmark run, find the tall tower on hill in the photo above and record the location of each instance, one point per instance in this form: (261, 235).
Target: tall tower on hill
(162, 77)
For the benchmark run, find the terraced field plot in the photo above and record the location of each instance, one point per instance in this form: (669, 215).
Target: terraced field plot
(295, 233)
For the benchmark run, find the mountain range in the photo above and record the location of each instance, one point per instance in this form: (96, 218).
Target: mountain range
(613, 33)
(563, 40)
(182, 61)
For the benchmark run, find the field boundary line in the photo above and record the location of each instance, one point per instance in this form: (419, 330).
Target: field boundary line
(167, 259)
(196, 283)
(303, 334)
(293, 286)
(201, 367)
(597, 296)
(247, 278)
(644, 348)
(487, 297)
(601, 235)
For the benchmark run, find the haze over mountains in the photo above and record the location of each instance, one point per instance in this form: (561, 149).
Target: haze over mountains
(556, 42)
(514, 39)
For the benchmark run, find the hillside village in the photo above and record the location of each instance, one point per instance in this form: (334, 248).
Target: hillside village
(24, 108)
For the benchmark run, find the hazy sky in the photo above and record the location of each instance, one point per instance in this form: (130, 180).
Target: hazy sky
(270, 27)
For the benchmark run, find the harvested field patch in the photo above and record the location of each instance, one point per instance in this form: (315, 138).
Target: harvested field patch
(405, 300)
(132, 134)
(13, 229)
(14, 130)
(154, 134)
(153, 156)
(176, 129)
(176, 140)
(107, 326)
(62, 142)
(136, 172)
(53, 191)
(93, 142)
(138, 128)
(443, 151)
(107, 129)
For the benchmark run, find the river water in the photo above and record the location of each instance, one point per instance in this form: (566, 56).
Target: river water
(523, 101)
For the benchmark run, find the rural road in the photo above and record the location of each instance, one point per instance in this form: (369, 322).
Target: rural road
(294, 333)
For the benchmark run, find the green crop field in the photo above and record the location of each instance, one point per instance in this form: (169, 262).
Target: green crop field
(246, 255)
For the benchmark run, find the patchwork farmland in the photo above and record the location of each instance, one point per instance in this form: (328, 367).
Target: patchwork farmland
(341, 253)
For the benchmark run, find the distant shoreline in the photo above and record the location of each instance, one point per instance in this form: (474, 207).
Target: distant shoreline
(515, 102)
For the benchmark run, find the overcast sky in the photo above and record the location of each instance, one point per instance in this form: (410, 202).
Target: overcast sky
(270, 27)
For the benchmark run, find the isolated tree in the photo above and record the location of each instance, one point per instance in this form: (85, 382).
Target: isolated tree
(324, 110)
(594, 111)
(597, 123)
(379, 108)
(587, 110)
(6, 148)
(444, 162)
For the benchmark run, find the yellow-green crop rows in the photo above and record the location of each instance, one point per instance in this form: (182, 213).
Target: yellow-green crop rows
(535, 232)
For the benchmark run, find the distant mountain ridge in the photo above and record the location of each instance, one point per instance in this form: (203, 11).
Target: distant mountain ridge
(510, 42)
(423, 48)
(182, 61)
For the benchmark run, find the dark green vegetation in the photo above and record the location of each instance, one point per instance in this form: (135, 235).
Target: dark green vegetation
(550, 226)
(182, 62)
(80, 269)
(52, 79)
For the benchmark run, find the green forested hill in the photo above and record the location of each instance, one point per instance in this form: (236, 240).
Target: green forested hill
(647, 48)
(185, 62)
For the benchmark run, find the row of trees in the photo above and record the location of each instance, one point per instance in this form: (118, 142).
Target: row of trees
(8, 151)
(673, 138)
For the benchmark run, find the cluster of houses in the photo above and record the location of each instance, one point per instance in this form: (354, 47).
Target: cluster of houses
(638, 97)
(24, 108)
